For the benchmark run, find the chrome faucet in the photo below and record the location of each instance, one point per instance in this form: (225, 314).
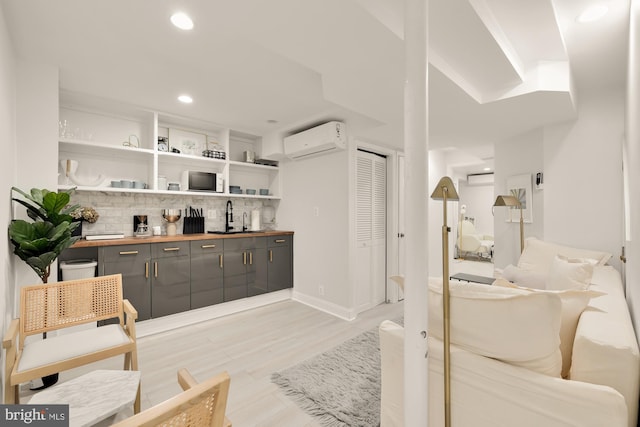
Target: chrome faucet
(228, 216)
(244, 220)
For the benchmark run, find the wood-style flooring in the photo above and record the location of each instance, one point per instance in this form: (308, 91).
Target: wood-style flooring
(250, 345)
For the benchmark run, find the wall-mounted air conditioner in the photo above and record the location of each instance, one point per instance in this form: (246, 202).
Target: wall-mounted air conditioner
(322, 139)
(480, 179)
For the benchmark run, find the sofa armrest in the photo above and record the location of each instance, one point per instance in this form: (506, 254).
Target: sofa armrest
(487, 392)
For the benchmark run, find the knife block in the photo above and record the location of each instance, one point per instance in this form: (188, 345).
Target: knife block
(193, 225)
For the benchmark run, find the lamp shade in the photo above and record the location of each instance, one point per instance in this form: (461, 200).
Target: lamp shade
(507, 201)
(445, 185)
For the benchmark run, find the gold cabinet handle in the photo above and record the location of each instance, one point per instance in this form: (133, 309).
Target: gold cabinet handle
(280, 240)
(128, 252)
(170, 249)
(220, 259)
(208, 246)
(250, 258)
(244, 258)
(155, 269)
(146, 270)
(270, 255)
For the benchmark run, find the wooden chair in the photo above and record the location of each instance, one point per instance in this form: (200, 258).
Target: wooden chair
(199, 405)
(55, 306)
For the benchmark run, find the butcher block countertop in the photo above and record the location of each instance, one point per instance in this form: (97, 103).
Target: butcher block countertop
(131, 240)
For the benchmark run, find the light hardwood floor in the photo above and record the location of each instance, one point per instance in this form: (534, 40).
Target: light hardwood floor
(250, 345)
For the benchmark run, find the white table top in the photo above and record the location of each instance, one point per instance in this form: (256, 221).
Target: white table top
(94, 396)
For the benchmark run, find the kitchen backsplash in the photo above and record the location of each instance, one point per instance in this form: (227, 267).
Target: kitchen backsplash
(117, 210)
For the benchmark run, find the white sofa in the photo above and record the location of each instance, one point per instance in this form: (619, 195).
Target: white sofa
(601, 388)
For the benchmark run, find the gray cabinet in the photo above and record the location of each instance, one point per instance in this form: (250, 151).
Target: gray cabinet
(133, 262)
(280, 265)
(245, 267)
(206, 273)
(170, 283)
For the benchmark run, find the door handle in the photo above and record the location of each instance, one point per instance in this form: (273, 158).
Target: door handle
(170, 249)
(279, 240)
(207, 246)
(146, 270)
(128, 252)
(270, 255)
(220, 259)
(250, 258)
(244, 258)
(155, 268)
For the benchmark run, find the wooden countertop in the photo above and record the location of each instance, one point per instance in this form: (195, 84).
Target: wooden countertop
(131, 240)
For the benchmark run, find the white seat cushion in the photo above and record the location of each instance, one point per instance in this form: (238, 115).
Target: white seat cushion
(56, 349)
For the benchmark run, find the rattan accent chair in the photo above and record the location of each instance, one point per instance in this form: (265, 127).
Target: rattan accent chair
(56, 306)
(200, 404)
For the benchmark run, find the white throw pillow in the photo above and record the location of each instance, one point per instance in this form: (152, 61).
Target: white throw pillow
(569, 273)
(512, 325)
(574, 301)
(538, 255)
(530, 279)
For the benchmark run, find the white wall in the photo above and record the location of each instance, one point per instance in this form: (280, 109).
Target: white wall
(315, 204)
(583, 176)
(632, 144)
(7, 169)
(519, 155)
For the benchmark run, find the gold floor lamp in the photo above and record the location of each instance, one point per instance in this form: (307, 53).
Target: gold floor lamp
(445, 191)
(512, 202)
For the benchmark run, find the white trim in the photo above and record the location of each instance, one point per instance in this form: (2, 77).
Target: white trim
(187, 318)
(323, 305)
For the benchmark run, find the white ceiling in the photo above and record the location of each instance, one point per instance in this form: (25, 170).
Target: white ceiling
(498, 67)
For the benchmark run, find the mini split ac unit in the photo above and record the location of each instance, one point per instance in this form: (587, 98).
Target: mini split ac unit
(325, 138)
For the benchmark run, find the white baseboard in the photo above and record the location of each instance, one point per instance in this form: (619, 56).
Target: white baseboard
(186, 318)
(323, 305)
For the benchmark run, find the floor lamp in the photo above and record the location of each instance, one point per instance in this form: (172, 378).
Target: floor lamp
(445, 191)
(512, 202)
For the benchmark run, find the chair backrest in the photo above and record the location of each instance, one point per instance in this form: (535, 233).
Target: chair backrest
(52, 306)
(467, 227)
(201, 404)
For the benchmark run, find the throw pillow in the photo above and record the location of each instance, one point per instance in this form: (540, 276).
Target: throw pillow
(530, 279)
(569, 273)
(512, 325)
(574, 301)
(538, 255)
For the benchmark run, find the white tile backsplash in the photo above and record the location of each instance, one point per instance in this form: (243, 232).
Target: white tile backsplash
(117, 210)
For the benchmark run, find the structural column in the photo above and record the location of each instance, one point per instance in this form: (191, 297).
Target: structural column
(416, 203)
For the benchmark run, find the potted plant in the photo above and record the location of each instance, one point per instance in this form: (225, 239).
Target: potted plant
(40, 242)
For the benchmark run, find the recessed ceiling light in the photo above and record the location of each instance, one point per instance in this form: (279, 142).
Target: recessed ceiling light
(272, 121)
(182, 21)
(592, 13)
(185, 99)
(486, 169)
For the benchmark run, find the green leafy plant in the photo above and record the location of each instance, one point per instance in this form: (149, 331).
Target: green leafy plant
(40, 242)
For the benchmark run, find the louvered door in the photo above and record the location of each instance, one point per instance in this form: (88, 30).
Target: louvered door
(371, 219)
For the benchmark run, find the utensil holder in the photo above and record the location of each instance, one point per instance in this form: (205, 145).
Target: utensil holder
(193, 225)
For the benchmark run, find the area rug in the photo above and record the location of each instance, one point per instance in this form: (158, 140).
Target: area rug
(341, 387)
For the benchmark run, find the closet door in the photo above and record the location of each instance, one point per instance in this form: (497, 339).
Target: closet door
(371, 220)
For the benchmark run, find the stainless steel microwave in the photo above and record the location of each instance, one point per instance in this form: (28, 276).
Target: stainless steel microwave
(202, 181)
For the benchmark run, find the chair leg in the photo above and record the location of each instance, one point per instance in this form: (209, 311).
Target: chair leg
(136, 404)
(127, 362)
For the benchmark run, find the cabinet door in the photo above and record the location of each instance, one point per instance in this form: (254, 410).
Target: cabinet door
(170, 284)
(206, 273)
(280, 265)
(236, 259)
(257, 267)
(132, 261)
